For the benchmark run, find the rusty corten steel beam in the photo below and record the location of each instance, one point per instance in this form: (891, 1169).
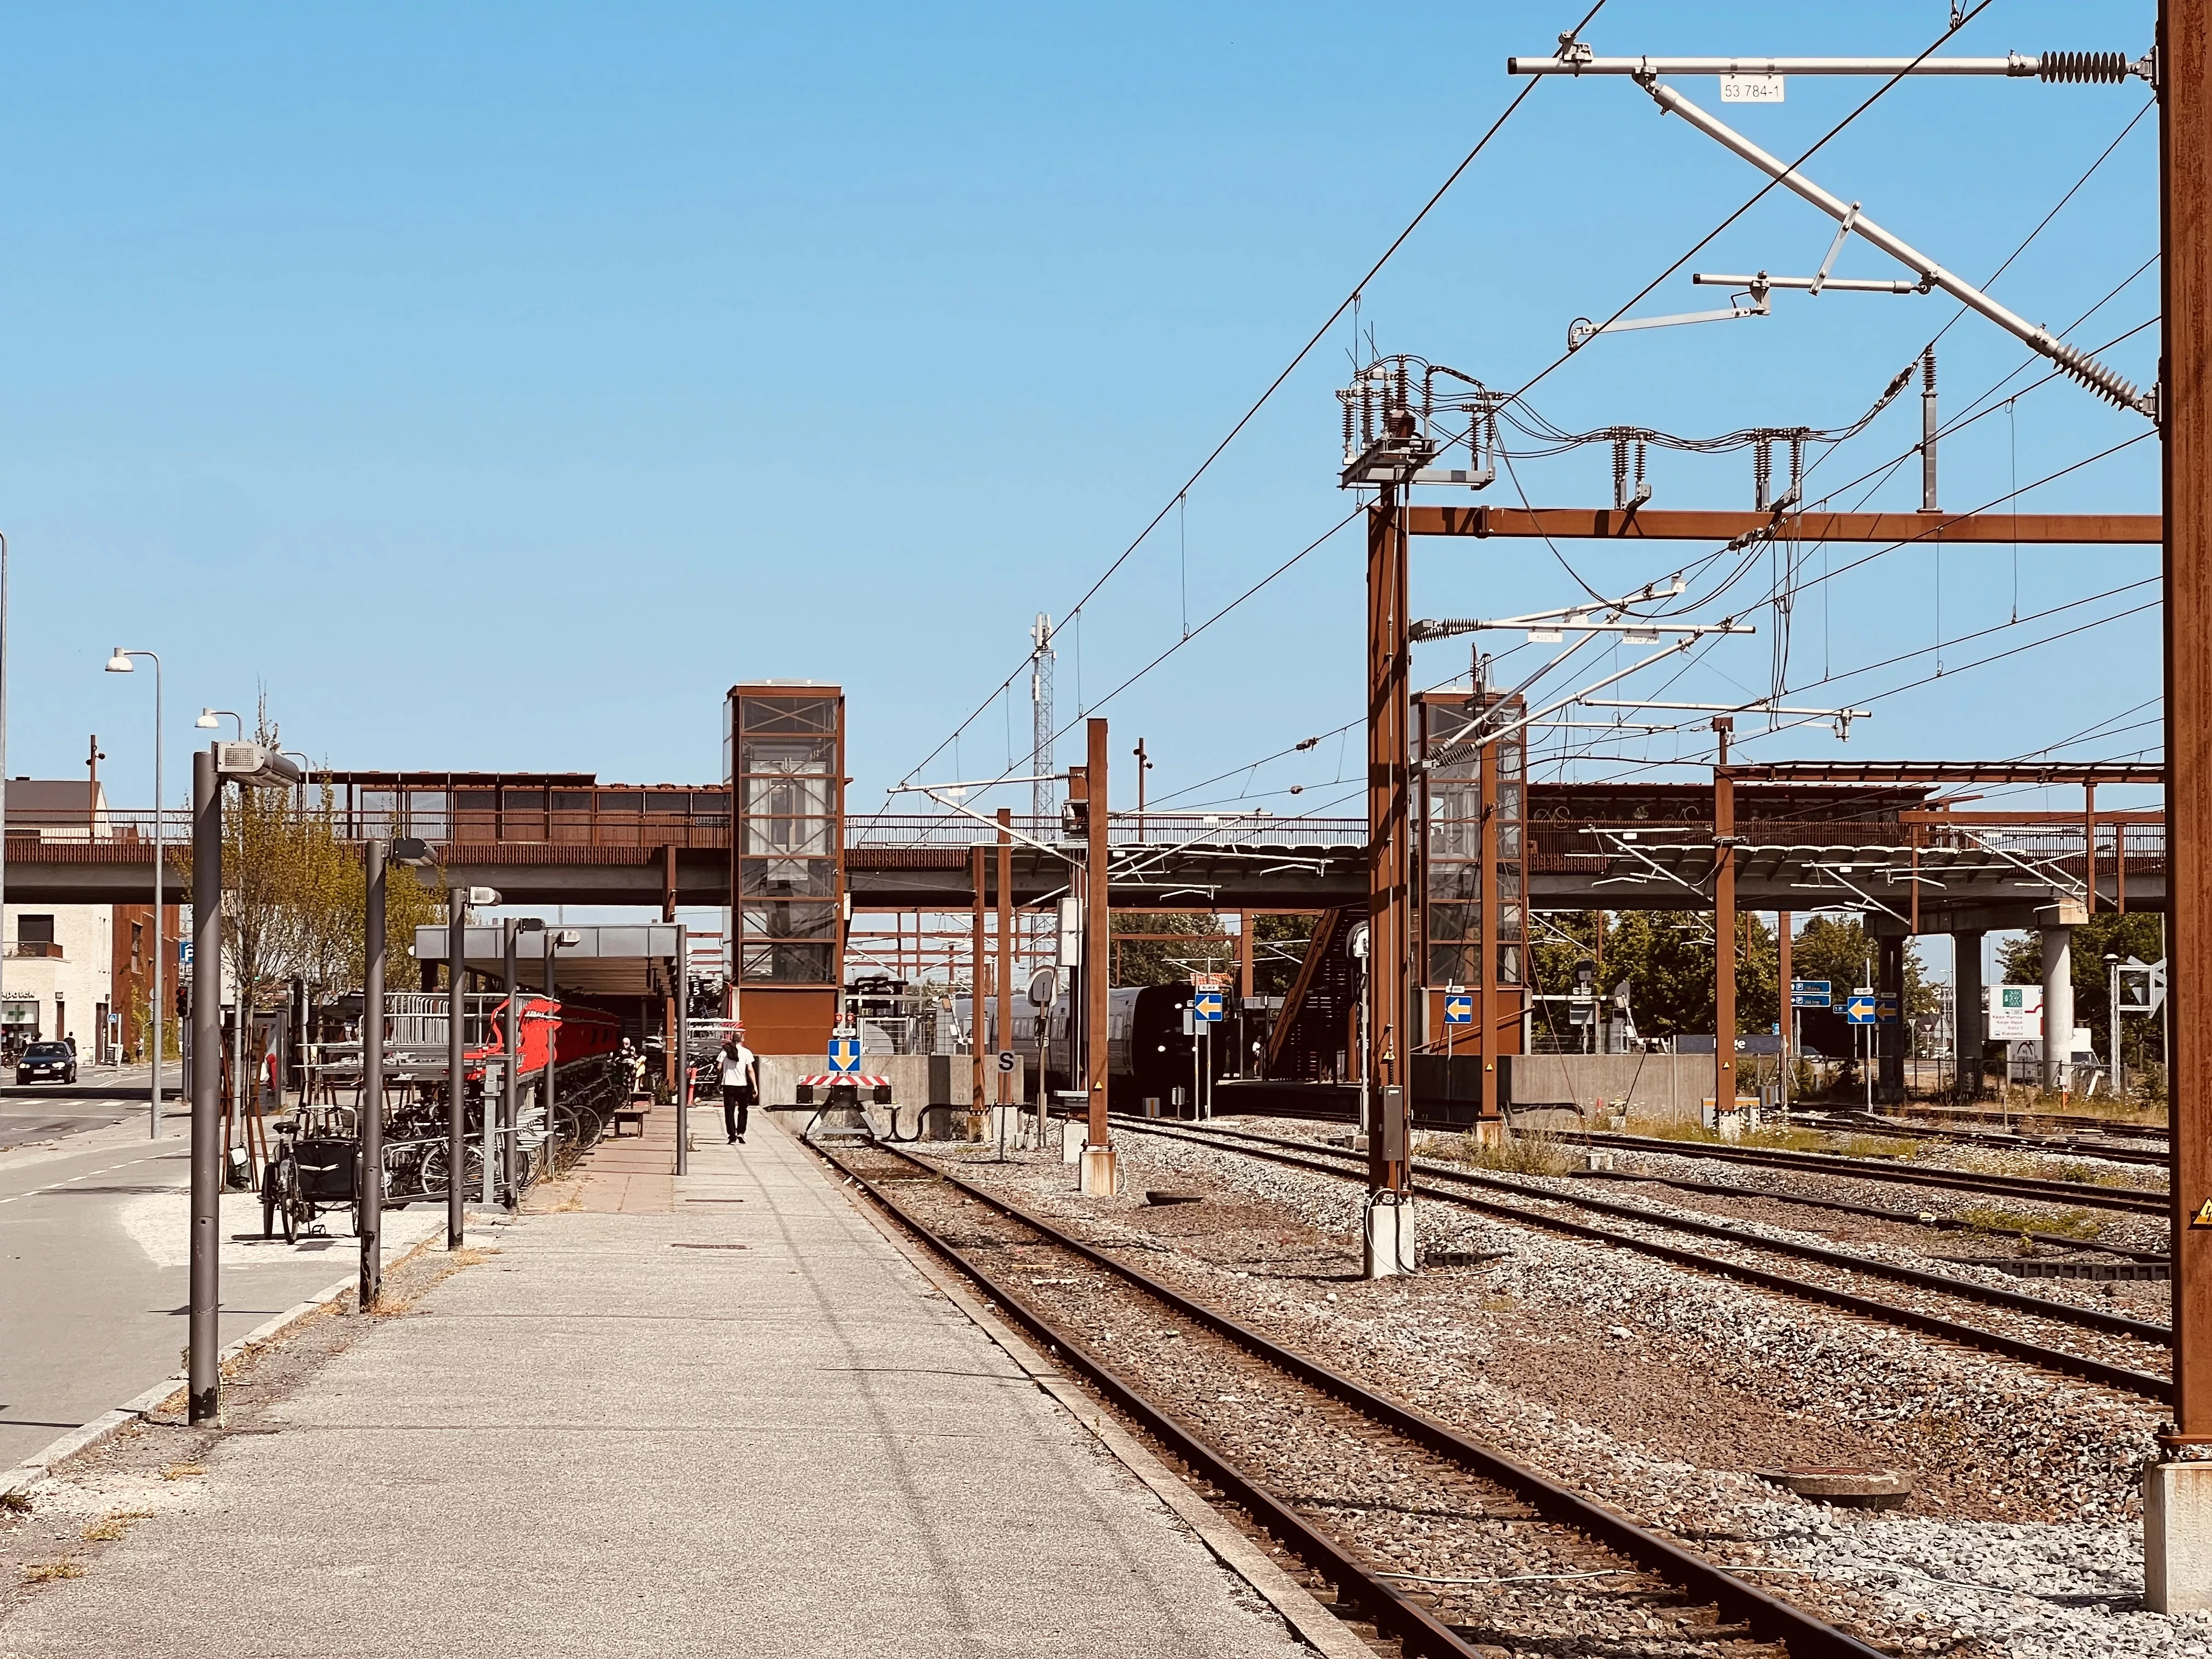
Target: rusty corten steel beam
(2074, 773)
(1097, 928)
(1389, 893)
(1664, 524)
(2185, 380)
(1723, 927)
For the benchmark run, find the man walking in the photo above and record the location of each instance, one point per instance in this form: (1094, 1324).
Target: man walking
(740, 1082)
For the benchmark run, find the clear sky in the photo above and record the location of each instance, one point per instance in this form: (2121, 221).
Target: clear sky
(494, 386)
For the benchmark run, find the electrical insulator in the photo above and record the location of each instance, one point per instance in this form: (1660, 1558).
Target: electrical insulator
(2076, 68)
(1762, 474)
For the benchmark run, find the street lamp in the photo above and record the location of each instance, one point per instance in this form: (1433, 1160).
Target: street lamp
(250, 766)
(457, 900)
(120, 663)
(210, 720)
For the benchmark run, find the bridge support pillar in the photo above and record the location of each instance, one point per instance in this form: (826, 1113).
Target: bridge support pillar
(2178, 1537)
(1967, 1021)
(2057, 1007)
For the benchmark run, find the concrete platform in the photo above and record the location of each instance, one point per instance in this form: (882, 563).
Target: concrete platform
(745, 1425)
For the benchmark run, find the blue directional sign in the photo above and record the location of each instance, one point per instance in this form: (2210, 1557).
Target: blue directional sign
(1206, 1007)
(844, 1056)
(1810, 994)
(1859, 1011)
(1459, 1010)
(1885, 1008)
(185, 952)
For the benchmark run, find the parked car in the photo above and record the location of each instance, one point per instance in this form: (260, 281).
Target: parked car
(46, 1062)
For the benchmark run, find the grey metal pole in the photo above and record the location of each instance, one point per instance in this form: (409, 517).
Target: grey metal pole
(153, 1104)
(552, 942)
(4, 785)
(370, 1170)
(204, 1375)
(511, 1084)
(679, 1037)
(457, 956)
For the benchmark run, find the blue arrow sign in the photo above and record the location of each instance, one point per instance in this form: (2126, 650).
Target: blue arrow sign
(1859, 1011)
(1810, 994)
(1885, 1008)
(1206, 1007)
(844, 1056)
(1459, 1011)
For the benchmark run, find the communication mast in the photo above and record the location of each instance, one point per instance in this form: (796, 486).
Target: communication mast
(1040, 764)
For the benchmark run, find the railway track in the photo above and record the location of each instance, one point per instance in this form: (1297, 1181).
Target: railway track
(2046, 1323)
(2082, 1193)
(1448, 1546)
(2111, 1153)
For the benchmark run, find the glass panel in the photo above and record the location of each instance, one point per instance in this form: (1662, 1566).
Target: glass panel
(1455, 964)
(1451, 800)
(1455, 921)
(786, 964)
(796, 716)
(787, 878)
(620, 800)
(1508, 841)
(1508, 881)
(807, 837)
(523, 800)
(1509, 800)
(1510, 925)
(1454, 882)
(377, 811)
(1455, 840)
(787, 920)
(426, 813)
(1509, 964)
(788, 757)
(787, 798)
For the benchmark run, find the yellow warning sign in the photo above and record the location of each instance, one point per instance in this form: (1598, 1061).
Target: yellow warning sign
(2203, 1216)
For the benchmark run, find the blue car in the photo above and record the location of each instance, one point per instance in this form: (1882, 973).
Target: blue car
(46, 1062)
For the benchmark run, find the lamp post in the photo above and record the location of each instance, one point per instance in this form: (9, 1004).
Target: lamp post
(251, 767)
(511, 1083)
(235, 1108)
(457, 900)
(120, 663)
(4, 785)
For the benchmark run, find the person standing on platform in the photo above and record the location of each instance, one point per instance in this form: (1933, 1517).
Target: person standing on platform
(740, 1084)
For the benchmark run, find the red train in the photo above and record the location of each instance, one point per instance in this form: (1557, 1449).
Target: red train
(563, 1031)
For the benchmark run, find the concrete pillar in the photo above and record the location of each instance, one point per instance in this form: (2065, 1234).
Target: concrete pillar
(1391, 1248)
(1891, 1042)
(1966, 1011)
(2178, 1537)
(2058, 1004)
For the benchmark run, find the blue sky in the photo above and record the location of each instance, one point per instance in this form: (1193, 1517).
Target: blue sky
(496, 385)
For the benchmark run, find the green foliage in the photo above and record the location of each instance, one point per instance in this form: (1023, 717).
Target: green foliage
(1199, 942)
(1278, 945)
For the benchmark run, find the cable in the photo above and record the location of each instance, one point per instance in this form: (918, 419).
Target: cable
(1275, 385)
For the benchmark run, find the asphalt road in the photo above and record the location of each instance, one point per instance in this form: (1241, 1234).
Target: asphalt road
(92, 1270)
(101, 1096)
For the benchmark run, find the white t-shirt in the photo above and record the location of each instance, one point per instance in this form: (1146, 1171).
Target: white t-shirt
(737, 1069)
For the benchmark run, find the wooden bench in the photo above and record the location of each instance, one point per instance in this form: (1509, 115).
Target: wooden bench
(632, 1112)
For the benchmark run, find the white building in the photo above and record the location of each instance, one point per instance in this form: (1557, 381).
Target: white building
(60, 958)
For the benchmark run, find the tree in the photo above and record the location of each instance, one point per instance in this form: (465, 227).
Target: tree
(1198, 942)
(1279, 948)
(2138, 934)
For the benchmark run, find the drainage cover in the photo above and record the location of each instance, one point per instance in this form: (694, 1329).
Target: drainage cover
(1854, 1488)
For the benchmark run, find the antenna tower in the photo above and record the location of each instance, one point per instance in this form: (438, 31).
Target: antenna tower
(1040, 766)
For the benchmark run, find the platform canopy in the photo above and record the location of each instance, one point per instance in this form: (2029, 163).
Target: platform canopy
(618, 959)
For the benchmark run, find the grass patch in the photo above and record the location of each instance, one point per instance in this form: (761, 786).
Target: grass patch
(1517, 1154)
(45, 1572)
(181, 1472)
(2068, 1224)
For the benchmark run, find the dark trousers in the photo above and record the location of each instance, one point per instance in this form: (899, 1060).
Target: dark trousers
(735, 1101)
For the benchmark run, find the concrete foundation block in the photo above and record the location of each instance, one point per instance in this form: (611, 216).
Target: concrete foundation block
(1071, 1141)
(2178, 1537)
(1101, 1172)
(1390, 1244)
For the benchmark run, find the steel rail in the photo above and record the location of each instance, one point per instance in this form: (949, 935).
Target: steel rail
(2048, 1192)
(1769, 1617)
(2010, 1143)
(2094, 1318)
(2123, 1378)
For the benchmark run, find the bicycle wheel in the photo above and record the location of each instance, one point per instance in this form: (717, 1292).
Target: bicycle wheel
(268, 1202)
(287, 1198)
